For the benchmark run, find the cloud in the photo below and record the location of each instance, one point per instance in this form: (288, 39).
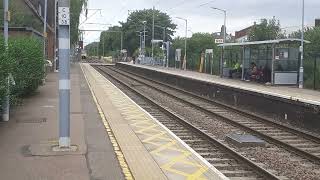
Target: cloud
(240, 13)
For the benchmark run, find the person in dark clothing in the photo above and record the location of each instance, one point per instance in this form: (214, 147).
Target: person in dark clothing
(252, 71)
(134, 60)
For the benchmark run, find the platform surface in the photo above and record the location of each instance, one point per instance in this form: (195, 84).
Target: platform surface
(150, 150)
(286, 92)
(34, 125)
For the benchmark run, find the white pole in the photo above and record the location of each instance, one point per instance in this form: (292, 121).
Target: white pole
(6, 103)
(45, 28)
(55, 37)
(301, 70)
(144, 40)
(64, 73)
(185, 46)
(224, 41)
(224, 38)
(102, 45)
(152, 32)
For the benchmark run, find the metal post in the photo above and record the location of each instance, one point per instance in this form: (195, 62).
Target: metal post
(224, 27)
(140, 43)
(224, 41)
(243, 61)
(45, 28)
(152, 32)
(272, 63)
(163, 41)
(55, 36)
(211, 63)
(6, 103)
(314, 72)
(144, 39)
(98, 49)
(301, 49)
(102, 45)
(64, 73)
(185, 46)
(121, 43)
(168, 53)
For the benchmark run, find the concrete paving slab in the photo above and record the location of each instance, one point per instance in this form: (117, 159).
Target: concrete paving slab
(20, 132)
(25, 152)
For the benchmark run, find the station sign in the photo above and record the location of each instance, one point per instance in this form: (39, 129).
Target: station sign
(218, 41)
(64, 16)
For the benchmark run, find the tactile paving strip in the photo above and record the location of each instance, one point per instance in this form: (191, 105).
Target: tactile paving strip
(174, 159)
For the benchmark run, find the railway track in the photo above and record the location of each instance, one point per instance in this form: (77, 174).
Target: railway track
(229, 162)
(303, 146)
(294, 140)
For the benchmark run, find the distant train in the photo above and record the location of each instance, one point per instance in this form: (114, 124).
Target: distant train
(83, 54)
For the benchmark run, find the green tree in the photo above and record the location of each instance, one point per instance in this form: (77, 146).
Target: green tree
(76, 7)
(311, 51)
(110, 40)
(266, 30)
(134, 24)
(91, 49)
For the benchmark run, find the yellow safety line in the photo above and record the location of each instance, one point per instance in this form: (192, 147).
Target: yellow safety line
(121, 159)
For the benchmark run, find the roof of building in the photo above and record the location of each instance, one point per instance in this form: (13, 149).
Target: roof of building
(276, 41)
(242, 32)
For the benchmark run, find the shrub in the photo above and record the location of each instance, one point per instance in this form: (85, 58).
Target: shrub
(24, 60)
(28, 63)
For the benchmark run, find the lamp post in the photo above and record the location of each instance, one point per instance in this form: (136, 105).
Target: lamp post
(224, 37)
(152, 32)
(140, 44)
(185, 43)
(144, 39)
(301, 70)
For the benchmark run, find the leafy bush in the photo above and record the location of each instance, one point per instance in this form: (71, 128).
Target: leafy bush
(24, 60)
(29, 65)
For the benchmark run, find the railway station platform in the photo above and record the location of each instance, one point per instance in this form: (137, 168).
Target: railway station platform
(300, 107)
(150, 150)
(115, 138)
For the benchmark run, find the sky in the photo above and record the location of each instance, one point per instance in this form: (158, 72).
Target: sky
(201, 18)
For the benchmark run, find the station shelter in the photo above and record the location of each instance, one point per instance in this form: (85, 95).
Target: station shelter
(277, 61)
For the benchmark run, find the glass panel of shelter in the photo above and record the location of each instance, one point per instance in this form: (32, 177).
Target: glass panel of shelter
(285, 60)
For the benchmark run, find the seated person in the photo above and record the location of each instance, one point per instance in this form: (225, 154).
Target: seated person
(251, 72)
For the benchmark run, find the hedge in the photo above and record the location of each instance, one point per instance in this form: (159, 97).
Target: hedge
(24, 60)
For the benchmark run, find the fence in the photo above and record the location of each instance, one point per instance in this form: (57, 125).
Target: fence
(151, 61)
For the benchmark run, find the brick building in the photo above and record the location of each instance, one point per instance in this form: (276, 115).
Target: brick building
(27, 18)
(242, 35)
